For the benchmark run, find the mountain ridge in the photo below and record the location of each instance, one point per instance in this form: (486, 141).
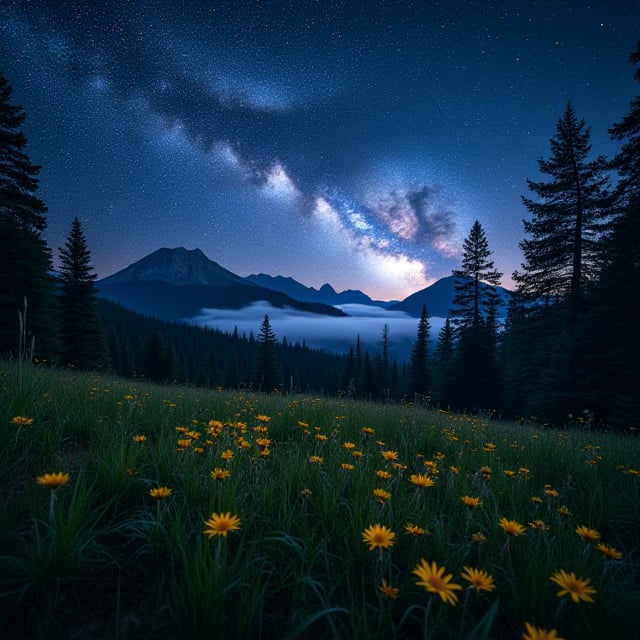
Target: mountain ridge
(177, 283)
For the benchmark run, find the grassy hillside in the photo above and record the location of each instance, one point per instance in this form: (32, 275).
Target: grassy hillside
(297, 484)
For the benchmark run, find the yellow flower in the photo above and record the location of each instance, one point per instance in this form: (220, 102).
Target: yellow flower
(388, 591)
(384, 475)
(479, 537)
(536, 499)
(347, 466)
(227, 454)
(471, 502)
(349, 445)
(219, 474)
(21, 420)
(381, 494)
(415, 530)
(433, 580)
(539, 524)
(263, 418)
(321, 437)
(611, 552)
(53, 480)
(539, 633)
(219, 524)
(563, 511)
(368, 431)
(577, 588)
(588, 534)
(378, 537)
(160, 493)
(478, 579)
(421, 480)
(316, 459)
(140, 438)
(390, 455)
(512, 527)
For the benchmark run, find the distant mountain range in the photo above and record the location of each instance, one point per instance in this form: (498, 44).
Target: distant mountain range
(325, 295)
(176, 284)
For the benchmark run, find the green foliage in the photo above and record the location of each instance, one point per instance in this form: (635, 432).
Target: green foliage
(25, 259)
(81, 337)
(266, 369)
(472, 300)
(112, 560)
(572, 214)
(419, 366)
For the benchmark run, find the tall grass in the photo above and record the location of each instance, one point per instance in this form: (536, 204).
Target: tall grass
(114, 562)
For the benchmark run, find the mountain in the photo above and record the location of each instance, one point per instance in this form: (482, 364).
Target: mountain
(176, 284)
(325, 295)
(178, 267)
(438, 299)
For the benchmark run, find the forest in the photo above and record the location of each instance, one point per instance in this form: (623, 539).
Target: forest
(568, 352)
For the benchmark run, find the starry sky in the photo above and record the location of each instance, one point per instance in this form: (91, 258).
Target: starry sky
(353, 143)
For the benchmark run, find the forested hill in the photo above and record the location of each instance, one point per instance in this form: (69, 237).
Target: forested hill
(170, 351)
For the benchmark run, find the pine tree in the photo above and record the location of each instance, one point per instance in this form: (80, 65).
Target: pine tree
(153, 358)
(25, 259)
(266, 370)
(627, 161)
(419, 371)
(82, 343)
(384, 362)
(472, 300)
(614, 302)
(443, 358)
(474, 371)
(570, 218)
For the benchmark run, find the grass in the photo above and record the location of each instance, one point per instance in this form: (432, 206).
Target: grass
(100, 558)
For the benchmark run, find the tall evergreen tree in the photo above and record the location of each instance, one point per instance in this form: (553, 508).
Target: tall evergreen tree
(384, 361)
(153, 358)
(82, 343)
(419, 370)
(617, 358)
(25, 259)
(474, 371)
(349, 374)
(570, 217)
(472, 300)
(266, 370)
(443, 358)
(627, 161)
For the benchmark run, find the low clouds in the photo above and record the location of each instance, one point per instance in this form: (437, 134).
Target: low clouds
(332, 333)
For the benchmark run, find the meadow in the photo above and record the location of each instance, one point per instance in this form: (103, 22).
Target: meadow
(131, 511)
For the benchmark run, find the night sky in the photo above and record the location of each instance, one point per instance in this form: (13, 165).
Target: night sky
(352, 143)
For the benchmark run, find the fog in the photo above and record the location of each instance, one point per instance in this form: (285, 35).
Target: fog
(327, 332)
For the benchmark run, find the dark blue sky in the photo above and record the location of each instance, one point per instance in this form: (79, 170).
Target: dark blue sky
(345, 142)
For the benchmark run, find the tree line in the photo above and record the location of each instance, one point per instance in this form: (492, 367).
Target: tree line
(569, 349)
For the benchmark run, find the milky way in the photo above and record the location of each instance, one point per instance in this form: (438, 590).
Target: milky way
(350, 143)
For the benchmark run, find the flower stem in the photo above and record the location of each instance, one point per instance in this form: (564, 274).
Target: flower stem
(52, 499)
(427, 631)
